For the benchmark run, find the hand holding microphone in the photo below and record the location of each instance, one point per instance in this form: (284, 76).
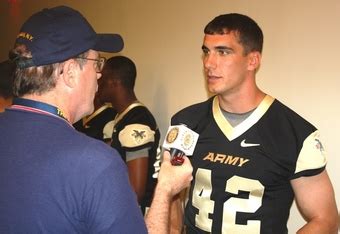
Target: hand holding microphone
(180, 141)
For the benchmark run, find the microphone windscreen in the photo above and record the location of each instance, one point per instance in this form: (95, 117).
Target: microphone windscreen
(181, 138)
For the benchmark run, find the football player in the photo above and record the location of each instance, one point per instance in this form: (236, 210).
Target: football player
(254, 154)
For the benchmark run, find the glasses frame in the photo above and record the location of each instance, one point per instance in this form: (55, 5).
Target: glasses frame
(99, 65)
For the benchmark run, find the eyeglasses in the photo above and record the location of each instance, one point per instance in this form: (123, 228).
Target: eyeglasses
(100, 62)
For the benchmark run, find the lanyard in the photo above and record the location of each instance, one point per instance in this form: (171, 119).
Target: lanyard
(38, 107)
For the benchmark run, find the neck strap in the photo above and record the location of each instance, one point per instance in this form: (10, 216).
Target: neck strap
(36, 106)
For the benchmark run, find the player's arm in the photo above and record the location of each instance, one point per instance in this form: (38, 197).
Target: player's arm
(315, 199)
(138, 171)
(136, 139)
(171, 180)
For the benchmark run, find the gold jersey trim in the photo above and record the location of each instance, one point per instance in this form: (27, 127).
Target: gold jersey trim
(97, 112)
(130, 107)
(233, 132)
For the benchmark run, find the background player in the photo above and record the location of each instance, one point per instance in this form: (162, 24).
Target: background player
(135, 131)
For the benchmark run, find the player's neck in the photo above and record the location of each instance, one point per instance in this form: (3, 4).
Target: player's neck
(124, 102)
(239, 103)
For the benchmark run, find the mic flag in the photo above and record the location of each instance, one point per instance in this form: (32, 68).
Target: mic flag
(180, 141)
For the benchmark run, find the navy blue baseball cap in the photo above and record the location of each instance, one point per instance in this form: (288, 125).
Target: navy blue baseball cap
(60, 33)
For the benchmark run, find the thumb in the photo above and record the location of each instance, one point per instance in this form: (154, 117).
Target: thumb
(166, 156)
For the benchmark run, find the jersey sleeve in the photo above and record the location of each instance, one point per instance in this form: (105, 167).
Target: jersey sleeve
(108, 130)
(142, 153)
(312, 157)
(136, 136)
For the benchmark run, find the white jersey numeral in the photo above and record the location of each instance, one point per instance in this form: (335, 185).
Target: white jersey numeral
(201, 198)
(202, 201)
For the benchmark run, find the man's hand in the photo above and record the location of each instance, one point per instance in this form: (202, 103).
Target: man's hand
(174, 179)
(171, 181)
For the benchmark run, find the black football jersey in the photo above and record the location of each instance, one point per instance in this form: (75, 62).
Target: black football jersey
(133, 130)
(242, 174)
(95, 124)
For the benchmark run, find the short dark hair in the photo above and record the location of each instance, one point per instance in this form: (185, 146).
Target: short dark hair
(7, 69)
(123, 69)
(249, 33)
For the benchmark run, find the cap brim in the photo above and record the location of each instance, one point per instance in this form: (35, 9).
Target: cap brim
(112, 43)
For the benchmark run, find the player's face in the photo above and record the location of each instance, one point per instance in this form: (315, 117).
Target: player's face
(225, 64)
(105, 87)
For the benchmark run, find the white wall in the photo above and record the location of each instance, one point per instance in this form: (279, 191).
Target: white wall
(300, 60)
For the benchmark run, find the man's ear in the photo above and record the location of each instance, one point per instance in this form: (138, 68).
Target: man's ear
(254, 60)
(70, 73)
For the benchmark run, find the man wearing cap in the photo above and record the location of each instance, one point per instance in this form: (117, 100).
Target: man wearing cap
(54, 179)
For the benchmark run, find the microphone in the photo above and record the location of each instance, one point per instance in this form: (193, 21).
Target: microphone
(180, 140)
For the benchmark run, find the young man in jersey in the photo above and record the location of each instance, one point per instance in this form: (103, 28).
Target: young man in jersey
(254, 155)
(53, 178)
(135, 132)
